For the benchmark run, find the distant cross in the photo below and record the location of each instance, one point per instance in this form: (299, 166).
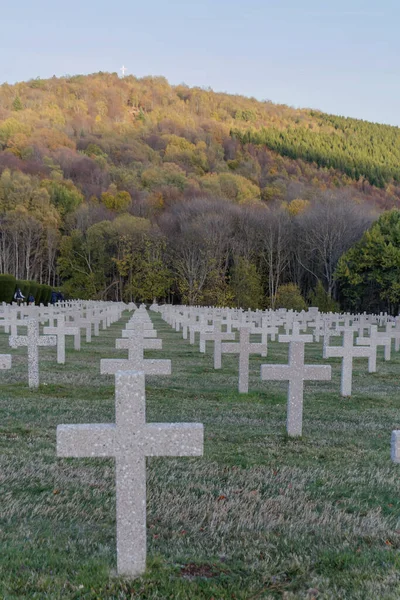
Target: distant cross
(266, 329)
(296, 372)
(347, 352)
(61, 331)
(130, 344)
(374, 340)
(244, 348)
(218, 336)
(296, 336)
(32, 340)
(123, 70)
(136, 360)
(130, 440)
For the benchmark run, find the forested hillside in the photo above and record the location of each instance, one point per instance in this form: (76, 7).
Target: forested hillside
(132, 188)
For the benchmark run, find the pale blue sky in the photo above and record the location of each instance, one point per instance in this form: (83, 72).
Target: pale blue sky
(341, 56)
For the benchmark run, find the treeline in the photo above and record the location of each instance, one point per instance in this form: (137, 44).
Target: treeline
(357, 148)
(134, 189)
(209, 251)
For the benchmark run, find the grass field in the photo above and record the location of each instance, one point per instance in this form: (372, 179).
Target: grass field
(259, 516)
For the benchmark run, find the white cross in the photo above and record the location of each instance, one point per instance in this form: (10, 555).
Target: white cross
(32, 340)
(136, 360)
(296, 336)
(296, 372)
(129, 441)
(347, 352)
(61, 331)
(374, 340)
(123, 70)
(266, 329)
(130, 344)
(244, 348)
(217, 336)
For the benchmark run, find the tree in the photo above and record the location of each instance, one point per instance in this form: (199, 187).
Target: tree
(369, 273)
(246, 285)
(289, 296)
(274, 242)
(325, 232)
(17, 104)
(321, 299)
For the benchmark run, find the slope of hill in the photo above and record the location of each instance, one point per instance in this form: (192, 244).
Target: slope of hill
(96, 170)
(143, 135)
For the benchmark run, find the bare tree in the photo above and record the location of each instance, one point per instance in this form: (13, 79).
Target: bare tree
(325, 231)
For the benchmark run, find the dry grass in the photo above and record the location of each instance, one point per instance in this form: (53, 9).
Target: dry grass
(259, 516)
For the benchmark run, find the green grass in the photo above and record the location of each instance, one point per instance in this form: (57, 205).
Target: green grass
(259, 516)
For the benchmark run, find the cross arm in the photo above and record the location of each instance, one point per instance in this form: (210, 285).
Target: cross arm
(16, 341)
(174, 439)
(147, 333)
(109, 366)
(47, 340)
(362, 351)
(275, 372)
(5, 361)
(230, 348)
(255, 348)
(333, 351)
(148, 344)
(317, 372)
(80, 441)
(71, 330)
(157, 367)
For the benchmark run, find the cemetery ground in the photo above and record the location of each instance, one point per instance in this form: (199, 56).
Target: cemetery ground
(259, 516)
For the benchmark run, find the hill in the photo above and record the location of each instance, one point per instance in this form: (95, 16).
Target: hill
(143, 134)
(83, 150)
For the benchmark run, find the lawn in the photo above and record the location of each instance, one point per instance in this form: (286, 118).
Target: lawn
(259, 516)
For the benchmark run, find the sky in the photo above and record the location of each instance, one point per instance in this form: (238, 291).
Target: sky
(341, 56)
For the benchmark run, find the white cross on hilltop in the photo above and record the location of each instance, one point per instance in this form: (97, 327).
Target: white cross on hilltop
(123, 70)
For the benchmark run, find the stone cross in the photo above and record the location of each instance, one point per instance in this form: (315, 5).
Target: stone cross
(374, 340)
(61, 331)
(131, 343)
(296, 372)
(129, 441)
(76, 327)
(5, 361)
(32, 340)
(217, 336)
(136, 360)
(244, 348)
(296, 336)
(265, 329)
(347, 352)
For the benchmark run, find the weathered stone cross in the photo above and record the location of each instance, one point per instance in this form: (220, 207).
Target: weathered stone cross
(61, 331)
(32, 340)
(244, 348)
(296, 336)
(136, 360)
(374, 340)
(296, 372)
(347, 352)
(217, 336)
(129, 441)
